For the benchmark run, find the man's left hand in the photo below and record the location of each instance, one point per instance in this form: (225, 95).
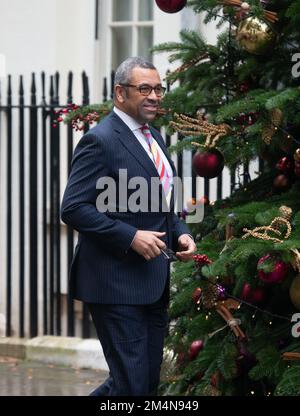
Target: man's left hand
(187, 248)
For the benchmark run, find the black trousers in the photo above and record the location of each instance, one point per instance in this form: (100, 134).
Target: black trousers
(132, 339)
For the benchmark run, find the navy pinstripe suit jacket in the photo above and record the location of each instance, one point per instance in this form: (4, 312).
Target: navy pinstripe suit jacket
(104, 268)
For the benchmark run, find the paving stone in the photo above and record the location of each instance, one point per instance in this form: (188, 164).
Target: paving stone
(28, 378)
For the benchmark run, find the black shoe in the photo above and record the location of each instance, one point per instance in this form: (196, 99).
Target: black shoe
(103, 389)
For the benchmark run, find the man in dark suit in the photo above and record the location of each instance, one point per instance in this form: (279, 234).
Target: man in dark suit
(120, 266)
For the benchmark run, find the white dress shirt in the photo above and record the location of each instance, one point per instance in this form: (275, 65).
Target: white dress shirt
(135, 127)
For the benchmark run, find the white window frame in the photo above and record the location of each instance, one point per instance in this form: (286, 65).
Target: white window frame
(165, 26)
(135, 24)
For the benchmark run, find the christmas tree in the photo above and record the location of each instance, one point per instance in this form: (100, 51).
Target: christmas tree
(231, 311)
(233, 328)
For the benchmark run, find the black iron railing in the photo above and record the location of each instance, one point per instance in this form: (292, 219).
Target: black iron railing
(40, 245)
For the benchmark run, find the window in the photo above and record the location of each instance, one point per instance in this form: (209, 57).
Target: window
(131, 30)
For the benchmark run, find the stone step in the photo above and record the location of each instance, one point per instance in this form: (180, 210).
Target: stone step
(69, 351)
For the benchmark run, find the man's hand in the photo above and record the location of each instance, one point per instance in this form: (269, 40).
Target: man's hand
(148, 243)
(187, 248)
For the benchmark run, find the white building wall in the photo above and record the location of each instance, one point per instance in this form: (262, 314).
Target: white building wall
(49, 36)
(59, 35)
(36, 36)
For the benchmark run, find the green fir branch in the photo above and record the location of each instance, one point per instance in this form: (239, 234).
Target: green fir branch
(289, 384)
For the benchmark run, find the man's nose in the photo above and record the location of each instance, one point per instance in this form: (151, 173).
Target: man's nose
(153, 96)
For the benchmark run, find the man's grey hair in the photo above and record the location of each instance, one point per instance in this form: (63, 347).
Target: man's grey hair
(124, 71)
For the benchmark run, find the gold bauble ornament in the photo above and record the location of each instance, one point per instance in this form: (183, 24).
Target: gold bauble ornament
(295, 292)
(297, 155)
(255, 35)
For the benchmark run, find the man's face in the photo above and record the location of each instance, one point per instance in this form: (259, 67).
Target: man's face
(142, 108)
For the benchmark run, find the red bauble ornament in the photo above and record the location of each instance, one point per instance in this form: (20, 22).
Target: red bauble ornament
(244, 87)
(246, 292)
(251, 295)
(197, 295)
(214, 380)
(208, 163)
(195, 348)
(258, 295)
(278, 272)
(245, 361)
(297, 169)
(171, 6)
(282, 182)
(285, 165)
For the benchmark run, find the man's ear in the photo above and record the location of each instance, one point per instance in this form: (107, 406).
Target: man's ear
(120, 94)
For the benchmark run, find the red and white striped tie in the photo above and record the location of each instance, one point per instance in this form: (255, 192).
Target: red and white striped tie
(159, 163)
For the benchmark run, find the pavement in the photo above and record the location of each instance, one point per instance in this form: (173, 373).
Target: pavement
(29, 378)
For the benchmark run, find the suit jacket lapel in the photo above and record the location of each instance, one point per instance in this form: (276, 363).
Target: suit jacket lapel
(128, 139)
